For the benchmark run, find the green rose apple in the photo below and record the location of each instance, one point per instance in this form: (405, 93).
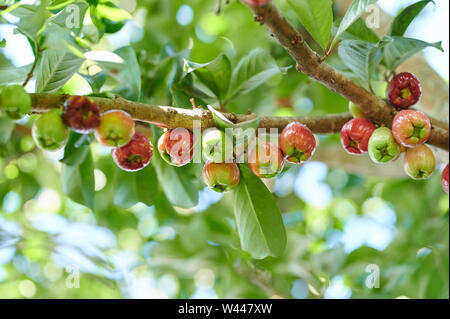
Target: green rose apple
(382, 146)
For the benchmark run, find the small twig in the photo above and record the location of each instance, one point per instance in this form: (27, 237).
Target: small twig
(33, 68)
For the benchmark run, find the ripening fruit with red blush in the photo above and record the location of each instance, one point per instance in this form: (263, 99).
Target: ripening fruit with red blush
(258, 3)
(445, 179)
(81, 114)
(221, 177)
(419, 162)
(116, 129)
(134, 156)
(176, 146)
(266, 160)
(404, 90)
(411, 128)
(355, 136)
(297, 143)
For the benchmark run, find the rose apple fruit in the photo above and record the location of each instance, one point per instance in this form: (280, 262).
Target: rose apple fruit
(257, 3)
(297, 143)
(419, 162)
(221, 177)
(15, 102)
(116, 128)
(356, 111)
(176, 146)
(411, 128)
(134, 156)
(266, 160)
(355, 136)
(444, 179)
(217, 147)
(404, 90)
(383, 147)
(49, 131)
(81, 114)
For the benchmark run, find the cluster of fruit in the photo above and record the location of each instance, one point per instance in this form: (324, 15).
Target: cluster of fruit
(221, 173)
(410, 130)
(132, 151)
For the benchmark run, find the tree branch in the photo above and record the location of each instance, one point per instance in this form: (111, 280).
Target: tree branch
(171, 117)
(309, 62)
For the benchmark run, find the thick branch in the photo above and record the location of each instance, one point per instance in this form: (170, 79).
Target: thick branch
(171, 117)
(309, 62)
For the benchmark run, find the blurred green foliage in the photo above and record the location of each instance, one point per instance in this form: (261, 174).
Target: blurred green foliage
(135, 243)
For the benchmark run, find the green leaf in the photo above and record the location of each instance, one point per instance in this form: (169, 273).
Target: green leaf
(6, 128)
(107, 17)
(127, 74)
(176, 183)
(221, 121)
(32, 19)
(317, 17)
(357, 31)
(60, 60)
(55, 69)
(76, 150)
(404, 19)
(108, 10)
(3, 43)
(398, 49)
(254, 123)
(361, 57)
(216, 75)
(258, 217)
(79, 182)
(252, 71)
(135, 187)
(96, 81)
(11, 74)
(182, 99)
(356, 9)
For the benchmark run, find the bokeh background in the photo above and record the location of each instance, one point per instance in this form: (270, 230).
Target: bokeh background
(341, 213)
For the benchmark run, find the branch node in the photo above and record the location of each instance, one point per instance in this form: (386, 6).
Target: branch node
(259, 19)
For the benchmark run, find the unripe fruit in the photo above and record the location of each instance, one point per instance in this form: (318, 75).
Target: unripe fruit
(135, 155)
(411, 128)
(217, 147)
(15, 102)
(419, 162)
(355, 136)
(176, 146)
(116, 129)
(81, 114)
(356, 111)
(266, 160)
(49, 131)
(444, 179)
(221, 177)
(258, 3)
(404, 90)
(297, 143)
(382, 146)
